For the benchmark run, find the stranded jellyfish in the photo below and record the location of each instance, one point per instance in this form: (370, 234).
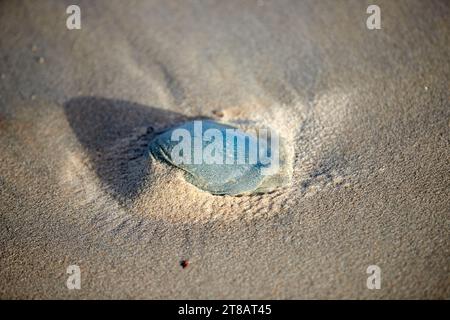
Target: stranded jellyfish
(221, 159)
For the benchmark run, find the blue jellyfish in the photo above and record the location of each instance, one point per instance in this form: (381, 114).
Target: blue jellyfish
(221, 159)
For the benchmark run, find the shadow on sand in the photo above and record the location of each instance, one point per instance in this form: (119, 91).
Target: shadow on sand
(116, 135)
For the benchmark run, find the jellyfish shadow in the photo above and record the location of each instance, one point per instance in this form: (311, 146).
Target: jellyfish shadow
(116, 135)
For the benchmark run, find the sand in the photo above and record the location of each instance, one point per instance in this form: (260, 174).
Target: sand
(366, 114)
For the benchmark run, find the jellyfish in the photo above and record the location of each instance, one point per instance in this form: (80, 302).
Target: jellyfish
(221, 159)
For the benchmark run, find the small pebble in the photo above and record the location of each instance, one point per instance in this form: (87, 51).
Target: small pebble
(218, 113)
(184, 264)
(41, 60)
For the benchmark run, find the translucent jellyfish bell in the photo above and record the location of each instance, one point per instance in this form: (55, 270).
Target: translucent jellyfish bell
(222, 159)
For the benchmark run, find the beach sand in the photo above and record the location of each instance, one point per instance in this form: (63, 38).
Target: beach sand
(365, 113)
